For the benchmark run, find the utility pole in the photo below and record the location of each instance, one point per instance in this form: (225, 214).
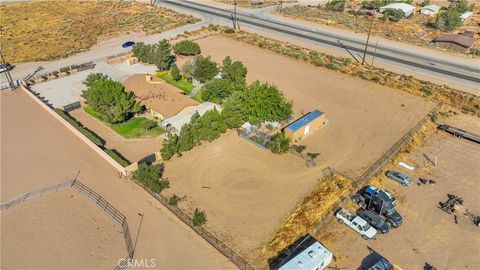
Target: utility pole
(235, 14)
(138, 233)
(368, 38)
(3, 63)
(374, 52)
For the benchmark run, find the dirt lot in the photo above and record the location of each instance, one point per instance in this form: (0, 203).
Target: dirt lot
(37, 31)
(428, 234)
(242, 187)
(60, 225)
(131, 149)
(38, 151)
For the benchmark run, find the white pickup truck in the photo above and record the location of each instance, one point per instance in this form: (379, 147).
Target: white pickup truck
(356, 223)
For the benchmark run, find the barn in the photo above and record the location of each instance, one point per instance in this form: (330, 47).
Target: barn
(305, 124)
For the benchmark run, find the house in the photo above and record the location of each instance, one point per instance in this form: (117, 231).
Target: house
(305, 124)
(466, 15)
(430, 10)
(161, 99)
(406, 8)
(457, 42)
(175, 123)
(306, 253)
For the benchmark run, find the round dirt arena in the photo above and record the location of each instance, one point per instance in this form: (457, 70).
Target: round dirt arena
(60, 230)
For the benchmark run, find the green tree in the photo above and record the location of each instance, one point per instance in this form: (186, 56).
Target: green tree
(175, 72)
(235, 72)
(169, 147)
(161, 55)
(188, 69)
(187, 47)
(231, 115)
(205, 69)
(260, 102)
(93, 77)
(199, 217)
(448, 21)
(216, 90)
(279, 144)
(461, 6)
(336, 5)
(143, 52)
(393, 14)
(150, 176)
(111, 101)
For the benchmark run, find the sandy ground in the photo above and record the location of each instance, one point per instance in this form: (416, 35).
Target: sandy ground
(132, 149)
(428, 235)
(37, 151)
(72, 228)
(246, 191)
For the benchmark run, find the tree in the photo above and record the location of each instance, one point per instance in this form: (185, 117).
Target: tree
(143, 52)
(279, 144)
(150, 176)
(231, 115)
(175, 72)
(216, 90)
(187, 47)
(188, 68)
(425, 3)
(169, 147)
(336, 5)
(199, 217)
(93, 77)
(393, 14)
(461, 6)
(205, 69)
(448, 21)
(161, 55)
(260, 102)
(235, 72)
(111, 101)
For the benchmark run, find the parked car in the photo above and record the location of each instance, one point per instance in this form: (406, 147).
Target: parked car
(381, 264)
(6, 67)
(381, 202)
(375, 220)
(399, 177)
(128, 44)
(356, 223)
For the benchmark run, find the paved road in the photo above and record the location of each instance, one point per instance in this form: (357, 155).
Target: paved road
(429, 63)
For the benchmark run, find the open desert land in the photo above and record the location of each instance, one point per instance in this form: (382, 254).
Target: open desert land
(60, 230)
(38, 151)
(427, 235)
(248, 192)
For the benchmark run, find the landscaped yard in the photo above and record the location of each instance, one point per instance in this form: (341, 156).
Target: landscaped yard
(182, 84)
(132, 128)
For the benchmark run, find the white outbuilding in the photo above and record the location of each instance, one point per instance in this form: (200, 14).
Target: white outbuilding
(307, 254)
(466, 15)
(406, 8)
(430, 10)
(175, 123)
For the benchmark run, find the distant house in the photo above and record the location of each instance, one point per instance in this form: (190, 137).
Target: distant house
(305, 124)
(406, 8)
(306, 253)
(457, 42)
(430, 10)
(175, 123)
(161, 99)
(466, 15)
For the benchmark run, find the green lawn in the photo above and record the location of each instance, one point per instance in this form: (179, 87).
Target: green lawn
(182, 84)
(198, 96)
(132, 128)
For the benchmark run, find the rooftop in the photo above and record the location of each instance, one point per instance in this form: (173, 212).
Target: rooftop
(462, 40)
(158, 95)
(184, 117)
(304, 120)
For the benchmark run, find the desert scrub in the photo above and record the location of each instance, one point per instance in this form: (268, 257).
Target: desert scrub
(36, 31)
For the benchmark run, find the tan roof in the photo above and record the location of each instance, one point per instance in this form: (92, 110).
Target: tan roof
(158, 95)
(462, 40)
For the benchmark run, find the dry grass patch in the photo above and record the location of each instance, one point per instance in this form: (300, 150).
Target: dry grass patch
(37, 31)
(256, 3)
(319, 203)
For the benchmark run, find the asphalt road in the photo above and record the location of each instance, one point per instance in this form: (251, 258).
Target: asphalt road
(431, 65)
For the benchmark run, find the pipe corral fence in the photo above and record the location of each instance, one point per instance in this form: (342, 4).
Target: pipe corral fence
(92, 196)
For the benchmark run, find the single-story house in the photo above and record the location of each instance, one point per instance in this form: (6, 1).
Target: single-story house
(430, 10)
(306, 253)
(466, 15)
(456, 42)
(305, 124)
(175, 123)
(161, 99)
(406, 8)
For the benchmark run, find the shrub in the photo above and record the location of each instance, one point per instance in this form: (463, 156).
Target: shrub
(313, 155)
(187, 47)
(199, 217)
(461, 6)
(175, 72)
(229, 31)
(158, 54)
(448, 21)
(173, 200)
(117, 157)
(279, 144)
(393, 14)
(90, 135)
(64, 69)
(336, 5)
(299, 148)
(150, 176)
(425, 89)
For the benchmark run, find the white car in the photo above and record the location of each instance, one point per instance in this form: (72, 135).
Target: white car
(356, 223)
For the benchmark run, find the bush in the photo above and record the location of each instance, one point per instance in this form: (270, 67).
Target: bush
(64, 69)
(158, 54)
(393, 14)
(448, 21)
(299, 148)
(150, 177)
(336, 5)
(279, 144)
(217, 90)
(173, 200)
(90, 135)
(175, 72)
(425, 89)
(229, 31)
(186, 47)
(461, 6)
(199, 217)
(117, 157)
(204, 69)
(313, 155)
